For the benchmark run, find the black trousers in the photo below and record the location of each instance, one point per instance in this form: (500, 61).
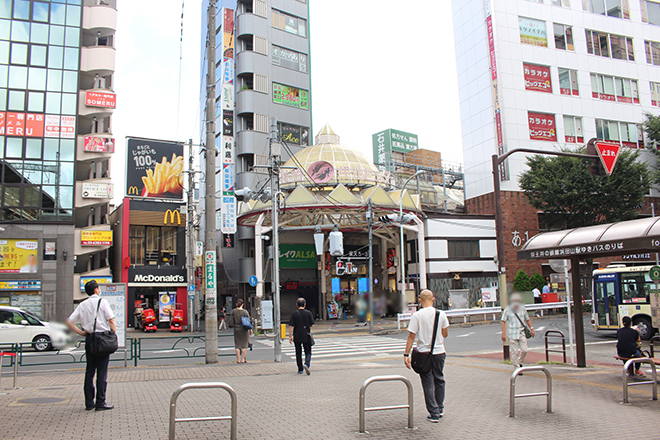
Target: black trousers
(96, 365)
(308, 354)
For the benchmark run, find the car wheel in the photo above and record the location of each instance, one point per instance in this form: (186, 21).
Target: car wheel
(41, 343)
(644, 328)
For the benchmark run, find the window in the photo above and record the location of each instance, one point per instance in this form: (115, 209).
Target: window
(537, 78)
(463, 248)
(568, 83)
(563, 37)
(260, 8)
(651, 11)
(652, 52)
(260, 83)
(610, 45)
(293, 134)
(137, 242)
(289, 58)
(627, 134)
(261, 123)
(655, 94)
(610, 8)
(532, 32)
(609, 88)
(289, 23)
(564, 3)
(573, 130)
(260, 45)
(542, 126)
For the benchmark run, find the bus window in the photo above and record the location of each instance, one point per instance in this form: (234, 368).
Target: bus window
(635, 288)
(605, 301)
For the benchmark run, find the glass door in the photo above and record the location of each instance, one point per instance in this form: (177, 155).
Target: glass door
(606, 304)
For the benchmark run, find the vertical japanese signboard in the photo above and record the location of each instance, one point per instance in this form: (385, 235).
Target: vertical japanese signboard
(388, 141)
(226, 139)
(210, 277)
(115, 294)
(499, 132)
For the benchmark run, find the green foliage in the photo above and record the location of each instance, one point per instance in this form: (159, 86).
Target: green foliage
(570, 197)
(652, 130)
(537, 281)
(522, 282)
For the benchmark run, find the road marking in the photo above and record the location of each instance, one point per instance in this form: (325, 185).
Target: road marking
(540, 329)
(465, 335)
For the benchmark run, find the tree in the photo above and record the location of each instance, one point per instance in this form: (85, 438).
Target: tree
(570, 197)
(521, 282)
(537, 281)
(652, 129)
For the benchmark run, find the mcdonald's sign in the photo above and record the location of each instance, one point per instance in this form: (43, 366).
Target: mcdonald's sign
(133, 190)
(170, 213)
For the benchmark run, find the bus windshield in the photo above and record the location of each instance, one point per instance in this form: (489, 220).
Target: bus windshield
(635, 288)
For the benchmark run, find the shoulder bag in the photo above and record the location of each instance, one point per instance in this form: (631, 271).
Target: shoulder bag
(245, 321)
(307, 328)
(102, 343)
(423, 362)
(528, 332)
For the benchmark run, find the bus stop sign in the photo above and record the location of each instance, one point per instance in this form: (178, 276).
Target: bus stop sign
(609, 153)
(654, 273)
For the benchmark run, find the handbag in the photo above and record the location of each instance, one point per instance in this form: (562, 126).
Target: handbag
(245, 321)
(528, 332)
(309, 330)
(101, 343)
(422, 362)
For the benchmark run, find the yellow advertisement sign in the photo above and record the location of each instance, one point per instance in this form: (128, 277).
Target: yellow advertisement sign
(19, 256)
(171, 214)
(96, 238)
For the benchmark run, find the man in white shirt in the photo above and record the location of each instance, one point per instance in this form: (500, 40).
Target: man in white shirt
(87, 313)
(537, 295)
(421, 329)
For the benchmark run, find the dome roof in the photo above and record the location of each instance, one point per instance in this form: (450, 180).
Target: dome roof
(328, 163)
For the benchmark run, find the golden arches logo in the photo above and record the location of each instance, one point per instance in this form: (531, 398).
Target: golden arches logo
(171, 214)
(133, 190)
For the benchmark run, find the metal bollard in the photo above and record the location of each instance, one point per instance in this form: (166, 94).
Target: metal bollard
(512, 389)
(653, 381)
(373, 379)
(189, 386)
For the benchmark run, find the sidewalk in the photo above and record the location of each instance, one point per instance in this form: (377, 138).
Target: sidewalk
(276, 403)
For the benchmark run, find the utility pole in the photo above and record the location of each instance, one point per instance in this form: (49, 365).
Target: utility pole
(190, 236)
(275, 152)
(370, 222)
(210, 256)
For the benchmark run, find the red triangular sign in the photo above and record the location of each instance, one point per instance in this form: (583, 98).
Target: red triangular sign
(609, 153)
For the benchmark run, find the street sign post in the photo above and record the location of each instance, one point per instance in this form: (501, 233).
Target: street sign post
(654, 273)
(609, 153)
(210, 277)
(253, 281)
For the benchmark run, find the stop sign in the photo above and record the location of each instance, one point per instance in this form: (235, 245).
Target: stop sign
(609, 153)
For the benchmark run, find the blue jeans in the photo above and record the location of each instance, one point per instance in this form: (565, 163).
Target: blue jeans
(433, 384)
(308, 354)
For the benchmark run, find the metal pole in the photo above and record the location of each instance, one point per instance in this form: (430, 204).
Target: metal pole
(657, 255)
(370, 222)
(275, 192)
(504, 297)
(211, 323)
(577, 303)
(402, 252)
(568, 311)
(189, 235)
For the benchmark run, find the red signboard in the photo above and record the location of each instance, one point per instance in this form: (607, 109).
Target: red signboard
(34, 125)
(542, 127)
(609, 153)
(537, 78)
(603, 96)
(100, 99)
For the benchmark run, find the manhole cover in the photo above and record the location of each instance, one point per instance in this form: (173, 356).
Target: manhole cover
(40, 401)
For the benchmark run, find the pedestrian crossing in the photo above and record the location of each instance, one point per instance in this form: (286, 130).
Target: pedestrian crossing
(348, 346)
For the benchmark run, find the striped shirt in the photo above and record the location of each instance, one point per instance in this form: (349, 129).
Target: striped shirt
(514, 329)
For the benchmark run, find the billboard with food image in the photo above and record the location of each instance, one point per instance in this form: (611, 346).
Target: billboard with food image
(154, 169)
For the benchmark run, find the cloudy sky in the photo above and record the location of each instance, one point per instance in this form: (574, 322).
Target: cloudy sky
(375, 65)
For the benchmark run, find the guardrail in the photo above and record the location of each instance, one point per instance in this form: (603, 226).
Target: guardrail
(139, 353)
(373, 379)
(512, 389)
(551, 334)
(189, 386)
(653, 380)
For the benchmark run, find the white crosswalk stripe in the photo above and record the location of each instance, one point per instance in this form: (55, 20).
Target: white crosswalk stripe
(342, 347)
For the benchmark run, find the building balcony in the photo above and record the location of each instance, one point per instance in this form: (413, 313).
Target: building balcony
(95, 110)
(96, 238)
(94, 147)
(249, 101)
(93, 192)
(250, 142)
(99, 18)
(249, 61)
(98, 60)
(250, 24)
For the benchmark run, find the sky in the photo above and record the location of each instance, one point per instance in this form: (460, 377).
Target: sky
(374, 65)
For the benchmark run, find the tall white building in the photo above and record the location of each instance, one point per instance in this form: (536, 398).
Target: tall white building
(546, 74)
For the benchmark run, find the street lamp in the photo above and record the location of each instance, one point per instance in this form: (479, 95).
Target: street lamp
(401, 251)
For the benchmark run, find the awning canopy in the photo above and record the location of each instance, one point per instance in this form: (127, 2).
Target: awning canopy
(629, 237)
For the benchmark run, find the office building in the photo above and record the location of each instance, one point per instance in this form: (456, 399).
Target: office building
(549, 74)
(56, 100)
(262, 72)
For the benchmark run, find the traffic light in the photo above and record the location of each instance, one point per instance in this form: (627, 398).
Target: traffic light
(392, 218)
(596, 166)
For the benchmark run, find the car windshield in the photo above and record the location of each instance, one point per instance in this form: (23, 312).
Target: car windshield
(32, 318)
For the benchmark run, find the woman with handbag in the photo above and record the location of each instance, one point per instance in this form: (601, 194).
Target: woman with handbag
(242, 331)
(517, 326)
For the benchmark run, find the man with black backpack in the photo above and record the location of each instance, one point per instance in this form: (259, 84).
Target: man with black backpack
(429, 326)
(300, 334)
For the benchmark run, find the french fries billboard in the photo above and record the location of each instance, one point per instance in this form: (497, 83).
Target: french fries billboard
(153, 169)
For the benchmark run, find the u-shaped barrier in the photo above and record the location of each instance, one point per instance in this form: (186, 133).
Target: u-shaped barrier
(653, 381)
(512, 389)
(190, 386)
(373, 379)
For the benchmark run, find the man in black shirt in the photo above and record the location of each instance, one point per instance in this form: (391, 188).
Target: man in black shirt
(300, 327)
(626, 346)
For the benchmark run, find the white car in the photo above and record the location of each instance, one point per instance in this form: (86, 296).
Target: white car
(17, 325)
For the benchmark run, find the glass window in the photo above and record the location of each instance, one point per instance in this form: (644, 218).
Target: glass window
(66, 197)
(568, 83)
(532, 32)
(67, 149)
(463, 248)
(137, 245)
(66, 173)
(22, 9)
(55, 57)
(57, 13)
(33, 149)
(37, 79)
(564, 3)
(573, 129)
(2, 146)
(289, 23)
(563, 37)
(16, 100)
(53, 103)
(51, 149)
(5, 8)
(153, 245)
(19, 53)
(39, 33)
(3, 99)
(655, 94)
(54, 80)
(69, 104)
(57, 35)
(70, 83)
(652, 52)
(168, 249)
(14, 147)
(70, 58)
(38, 55)
(650, 12)
(36, 102)
(611, 8)
(73, 15)
(5, 27)
(40, 11)
(17, 77)
(610, 45)
(20, 31)
(72, 36)
(3, 75)
(4, 52)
